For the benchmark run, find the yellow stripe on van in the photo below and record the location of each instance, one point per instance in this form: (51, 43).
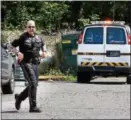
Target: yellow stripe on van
(117, 64)
(110, 63)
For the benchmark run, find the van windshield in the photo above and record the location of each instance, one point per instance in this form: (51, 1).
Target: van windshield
(116, 35)
(93, 35)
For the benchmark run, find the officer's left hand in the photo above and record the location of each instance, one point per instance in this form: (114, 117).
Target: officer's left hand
(20, 56)
(43, 55)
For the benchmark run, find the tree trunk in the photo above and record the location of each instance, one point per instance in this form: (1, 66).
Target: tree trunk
(129, 13)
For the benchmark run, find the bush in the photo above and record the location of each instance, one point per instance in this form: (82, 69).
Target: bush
(43, 67)
(56, 64)
(48, 65)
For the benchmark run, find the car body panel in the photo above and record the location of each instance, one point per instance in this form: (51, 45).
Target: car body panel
(19, 75)
(7, 64)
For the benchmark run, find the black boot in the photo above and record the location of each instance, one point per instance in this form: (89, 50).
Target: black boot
(35, 109)
(17, 102)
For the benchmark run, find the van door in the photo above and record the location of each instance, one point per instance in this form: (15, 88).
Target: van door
(90, 52)
(116, 48)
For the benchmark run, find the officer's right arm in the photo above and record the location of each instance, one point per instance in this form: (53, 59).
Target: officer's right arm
(16, 43)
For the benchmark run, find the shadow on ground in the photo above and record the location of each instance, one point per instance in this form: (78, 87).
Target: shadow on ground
(92, 82)
(11, 111)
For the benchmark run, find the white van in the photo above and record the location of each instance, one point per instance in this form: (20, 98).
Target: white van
(104, 49)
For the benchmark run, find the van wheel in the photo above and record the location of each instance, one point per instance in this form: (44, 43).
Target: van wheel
(9, 87)
(128, 79)
(83, 77)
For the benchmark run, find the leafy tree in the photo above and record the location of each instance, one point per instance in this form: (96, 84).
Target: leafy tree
(51, 14)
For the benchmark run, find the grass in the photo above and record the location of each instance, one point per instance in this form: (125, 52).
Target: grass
(70, 78)
(57, 74)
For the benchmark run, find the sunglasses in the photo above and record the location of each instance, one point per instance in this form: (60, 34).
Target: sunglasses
(31, 26)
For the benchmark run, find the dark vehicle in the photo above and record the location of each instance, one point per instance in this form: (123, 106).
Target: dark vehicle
(7, 71)
(19, 76)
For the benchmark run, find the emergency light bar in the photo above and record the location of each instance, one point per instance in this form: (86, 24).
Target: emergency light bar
(108, 22)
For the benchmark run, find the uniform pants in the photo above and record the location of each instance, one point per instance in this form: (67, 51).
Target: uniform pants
(31, 74)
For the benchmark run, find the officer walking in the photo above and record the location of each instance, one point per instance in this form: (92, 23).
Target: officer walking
(29, 58)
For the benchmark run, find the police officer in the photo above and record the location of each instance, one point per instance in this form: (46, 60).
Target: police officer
(28, 56)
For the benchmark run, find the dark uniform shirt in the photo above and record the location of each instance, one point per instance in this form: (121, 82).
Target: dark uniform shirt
(29, 46)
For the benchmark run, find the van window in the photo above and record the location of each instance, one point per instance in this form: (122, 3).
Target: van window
(93, 35)
(116, 36)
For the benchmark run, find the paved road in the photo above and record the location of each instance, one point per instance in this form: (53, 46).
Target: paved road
(68, 100)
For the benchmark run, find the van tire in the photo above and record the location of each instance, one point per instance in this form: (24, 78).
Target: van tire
(83, 77)
(128, 79)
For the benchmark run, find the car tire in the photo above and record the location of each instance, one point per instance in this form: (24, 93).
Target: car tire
(128, 79)
(83, 77)
(9, 87)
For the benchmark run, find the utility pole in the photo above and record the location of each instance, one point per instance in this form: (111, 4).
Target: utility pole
(114, 11)
(129, 13)
(129, 19)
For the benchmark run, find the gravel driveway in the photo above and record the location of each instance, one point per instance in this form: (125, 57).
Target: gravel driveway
(104, 98)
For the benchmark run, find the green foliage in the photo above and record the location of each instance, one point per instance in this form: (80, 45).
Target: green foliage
(50, 15)
(83, 22)
(95, 17)
(54, 63)
(47, 65)
(46, 14)
(44, 67)
(54, 72)
(70, 78)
